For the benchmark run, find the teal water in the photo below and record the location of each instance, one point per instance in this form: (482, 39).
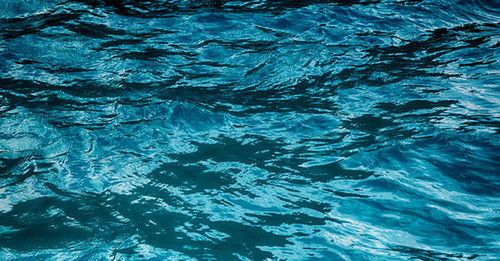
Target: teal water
(249, 130)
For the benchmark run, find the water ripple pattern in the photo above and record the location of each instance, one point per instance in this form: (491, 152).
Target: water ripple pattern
(249, 130)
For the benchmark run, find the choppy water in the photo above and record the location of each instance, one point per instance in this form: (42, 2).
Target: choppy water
(225, 130)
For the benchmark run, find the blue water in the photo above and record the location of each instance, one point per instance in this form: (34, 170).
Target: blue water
(249, 130)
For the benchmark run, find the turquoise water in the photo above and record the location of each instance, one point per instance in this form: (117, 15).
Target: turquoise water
(249, 130)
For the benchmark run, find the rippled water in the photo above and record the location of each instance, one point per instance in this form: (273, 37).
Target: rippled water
(226, 130)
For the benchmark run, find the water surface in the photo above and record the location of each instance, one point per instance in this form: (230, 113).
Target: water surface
(249, 130)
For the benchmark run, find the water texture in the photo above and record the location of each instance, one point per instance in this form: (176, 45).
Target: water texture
(249, 130)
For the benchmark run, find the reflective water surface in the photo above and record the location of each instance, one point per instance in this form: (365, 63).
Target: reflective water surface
(249, 130)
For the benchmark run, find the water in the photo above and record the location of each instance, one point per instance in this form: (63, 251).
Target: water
(226, 130)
